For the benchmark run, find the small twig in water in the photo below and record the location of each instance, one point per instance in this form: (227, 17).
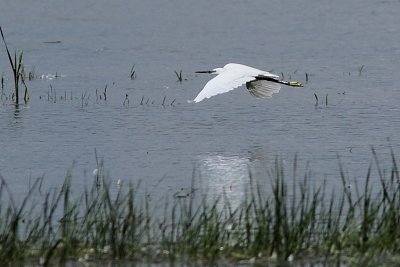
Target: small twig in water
(31, 74)
(126, 101)
(133, 72)
(85, 99)
(179, 75)
(360, 69)
(26, 93)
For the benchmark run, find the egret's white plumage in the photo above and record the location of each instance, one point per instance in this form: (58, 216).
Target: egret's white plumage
(261, 84)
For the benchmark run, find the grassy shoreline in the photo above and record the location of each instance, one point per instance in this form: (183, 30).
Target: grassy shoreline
(305, 222)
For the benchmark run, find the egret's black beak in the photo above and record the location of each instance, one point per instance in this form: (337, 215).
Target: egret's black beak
(205, 71)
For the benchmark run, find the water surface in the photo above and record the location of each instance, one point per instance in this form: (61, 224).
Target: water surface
(349, 49)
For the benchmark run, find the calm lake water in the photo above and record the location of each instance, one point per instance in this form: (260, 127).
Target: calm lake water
(349, 49)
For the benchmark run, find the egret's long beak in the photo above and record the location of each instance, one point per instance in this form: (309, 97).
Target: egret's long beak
(205, 71)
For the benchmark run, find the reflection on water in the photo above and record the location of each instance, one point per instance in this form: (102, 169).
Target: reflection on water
(224, 175)
(231, 175)
(17, 111)
(15, 121)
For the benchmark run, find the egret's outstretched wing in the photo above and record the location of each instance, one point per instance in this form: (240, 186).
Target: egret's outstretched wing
(263, 88)
(223, 83)
(249, 70)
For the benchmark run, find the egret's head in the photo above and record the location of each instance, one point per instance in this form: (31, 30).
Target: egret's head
(218, 70)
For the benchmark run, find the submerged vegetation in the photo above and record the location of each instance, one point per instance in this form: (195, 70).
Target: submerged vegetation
(295, 220)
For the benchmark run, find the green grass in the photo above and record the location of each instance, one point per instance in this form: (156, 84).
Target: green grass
(300, 221)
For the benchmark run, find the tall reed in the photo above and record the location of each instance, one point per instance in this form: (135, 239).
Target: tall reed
(17, 67)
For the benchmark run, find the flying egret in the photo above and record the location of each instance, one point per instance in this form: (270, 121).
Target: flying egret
(261, 84)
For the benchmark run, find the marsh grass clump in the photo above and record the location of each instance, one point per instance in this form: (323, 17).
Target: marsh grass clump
(17, 70)
(290, 221)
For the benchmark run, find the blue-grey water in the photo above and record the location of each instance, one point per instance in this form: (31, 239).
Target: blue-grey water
(147, 131)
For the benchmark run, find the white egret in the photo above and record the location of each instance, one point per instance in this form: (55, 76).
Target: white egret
(261, 84)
